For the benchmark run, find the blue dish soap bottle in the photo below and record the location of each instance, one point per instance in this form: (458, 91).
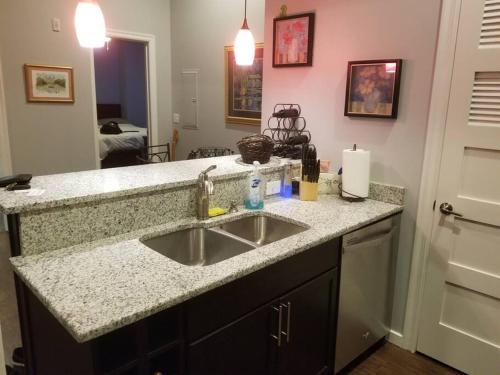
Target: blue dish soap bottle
(286, 183)
(255, 198)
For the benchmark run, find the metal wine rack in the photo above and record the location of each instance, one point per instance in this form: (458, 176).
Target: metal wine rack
(287, 128)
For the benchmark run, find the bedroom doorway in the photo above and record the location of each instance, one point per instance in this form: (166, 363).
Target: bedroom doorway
(125, 99)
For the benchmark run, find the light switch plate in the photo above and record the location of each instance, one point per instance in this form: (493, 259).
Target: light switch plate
(56, 24)
(177, 118)
(273, 187)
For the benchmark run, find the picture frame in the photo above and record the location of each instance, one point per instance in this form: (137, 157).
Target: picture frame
(372, 88)
(243, 88)
(49, 84)
(293, 40)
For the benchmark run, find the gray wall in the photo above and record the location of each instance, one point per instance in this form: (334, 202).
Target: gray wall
(200, 30)
(52, 138)
(361, 30)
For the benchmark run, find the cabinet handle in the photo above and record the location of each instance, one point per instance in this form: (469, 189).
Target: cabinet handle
(280, 311)
(288, 307)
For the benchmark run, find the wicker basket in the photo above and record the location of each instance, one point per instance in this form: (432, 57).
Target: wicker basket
(256, 147)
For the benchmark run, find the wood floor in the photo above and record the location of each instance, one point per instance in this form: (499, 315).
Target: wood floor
(8, 306)
(392, 360)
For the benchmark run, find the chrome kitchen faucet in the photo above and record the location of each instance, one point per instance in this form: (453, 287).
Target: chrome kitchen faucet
(204, 190)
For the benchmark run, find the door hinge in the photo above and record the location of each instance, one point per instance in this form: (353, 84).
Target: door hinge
(434, 206)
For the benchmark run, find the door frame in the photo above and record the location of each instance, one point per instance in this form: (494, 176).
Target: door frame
(445, 56)
(151, 85)
(5, 156)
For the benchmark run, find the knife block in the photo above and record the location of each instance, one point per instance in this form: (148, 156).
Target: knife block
(308, 191)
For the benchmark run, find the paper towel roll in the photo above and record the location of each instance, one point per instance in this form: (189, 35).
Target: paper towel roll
(355, 173)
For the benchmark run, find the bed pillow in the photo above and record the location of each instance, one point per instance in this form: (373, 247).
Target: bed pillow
(116, 119)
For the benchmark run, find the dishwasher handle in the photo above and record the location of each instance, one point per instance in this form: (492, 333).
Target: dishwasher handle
(370, 241)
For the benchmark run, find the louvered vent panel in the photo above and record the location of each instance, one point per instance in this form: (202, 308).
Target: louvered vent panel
(485, 103)
(490, 28)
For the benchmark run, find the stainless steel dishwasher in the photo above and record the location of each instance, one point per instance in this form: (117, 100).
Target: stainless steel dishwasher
(366, 289)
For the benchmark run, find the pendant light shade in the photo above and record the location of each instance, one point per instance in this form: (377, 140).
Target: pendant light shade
(244, 44)
(89, 24)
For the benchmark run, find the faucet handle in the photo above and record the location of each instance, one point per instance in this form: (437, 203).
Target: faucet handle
(233, 207)
(210, 187)
(211, 168)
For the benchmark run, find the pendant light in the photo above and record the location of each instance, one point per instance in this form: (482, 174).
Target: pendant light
(244, 44)
(89, 24)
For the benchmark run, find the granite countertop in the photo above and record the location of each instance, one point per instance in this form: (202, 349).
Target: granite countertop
(95, 288)
(80, 187)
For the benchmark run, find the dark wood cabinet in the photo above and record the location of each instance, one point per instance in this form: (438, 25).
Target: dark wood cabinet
(291, 335)
(277, 320)
(243, 347)
(308, 327)
(221, 306)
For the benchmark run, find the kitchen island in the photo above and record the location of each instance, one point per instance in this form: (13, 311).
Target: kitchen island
(108, 283)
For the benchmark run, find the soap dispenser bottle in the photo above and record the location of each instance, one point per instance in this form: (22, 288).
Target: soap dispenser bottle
(255, 198)
(286, 182)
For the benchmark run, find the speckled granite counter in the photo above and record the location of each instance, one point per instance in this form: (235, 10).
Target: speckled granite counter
(91, 186)
(97, 287)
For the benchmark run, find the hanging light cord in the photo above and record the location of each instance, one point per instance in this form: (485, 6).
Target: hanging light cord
(245, 24)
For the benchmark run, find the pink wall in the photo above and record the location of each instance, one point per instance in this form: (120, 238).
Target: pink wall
(362, 30)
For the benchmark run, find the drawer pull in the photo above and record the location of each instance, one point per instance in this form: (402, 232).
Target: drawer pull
(280, 313)
(288, 307)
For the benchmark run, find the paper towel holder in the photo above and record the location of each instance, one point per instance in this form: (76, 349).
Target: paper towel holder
(352, 197)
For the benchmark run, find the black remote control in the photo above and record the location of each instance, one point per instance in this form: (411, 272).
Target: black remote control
(21, 179)
(17, 186)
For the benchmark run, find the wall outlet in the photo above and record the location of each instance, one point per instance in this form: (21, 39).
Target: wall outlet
(273, 187)
(177, 118)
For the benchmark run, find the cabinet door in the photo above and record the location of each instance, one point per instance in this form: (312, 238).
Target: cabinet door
(242, 347)
(308, 327)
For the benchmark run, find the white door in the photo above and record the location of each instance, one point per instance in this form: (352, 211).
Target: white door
(460, 323)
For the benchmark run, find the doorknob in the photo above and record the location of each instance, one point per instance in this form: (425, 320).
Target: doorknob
(447, 209)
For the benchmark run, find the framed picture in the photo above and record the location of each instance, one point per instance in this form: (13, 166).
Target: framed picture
(243, 88)
(373, 88)
(48, 84)
(293, 40)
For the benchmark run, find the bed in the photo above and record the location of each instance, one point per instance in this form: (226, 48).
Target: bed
(119, 150)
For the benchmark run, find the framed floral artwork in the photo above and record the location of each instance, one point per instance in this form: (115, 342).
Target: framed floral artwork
(49, 83)
(373, 88)
(293, 40)
(243, 88)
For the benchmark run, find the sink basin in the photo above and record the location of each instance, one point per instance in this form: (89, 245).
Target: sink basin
(262, 229)
(198, 246)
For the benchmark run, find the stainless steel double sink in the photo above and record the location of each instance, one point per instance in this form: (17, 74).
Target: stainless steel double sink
(206, 246)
